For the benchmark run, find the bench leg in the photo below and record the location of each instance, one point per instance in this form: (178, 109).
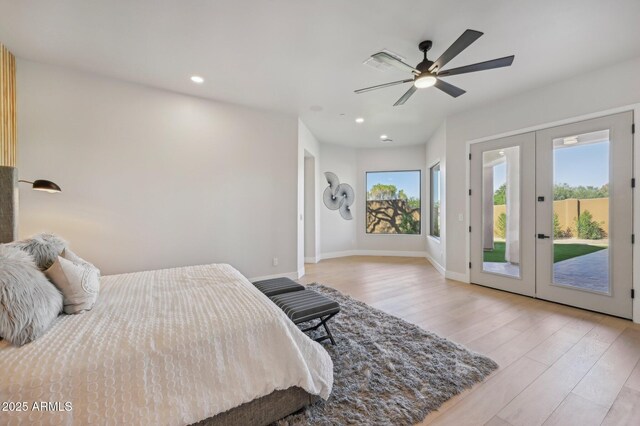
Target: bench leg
(329, 335)
(323, 322)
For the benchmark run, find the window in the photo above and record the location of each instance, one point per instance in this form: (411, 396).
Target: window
(434, 228)
(393, 202)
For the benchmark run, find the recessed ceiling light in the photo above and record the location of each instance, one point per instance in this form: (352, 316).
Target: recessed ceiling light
(359, 120)
(197, 79)
(383, 137)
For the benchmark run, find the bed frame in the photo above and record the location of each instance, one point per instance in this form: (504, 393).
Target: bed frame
(265, 410)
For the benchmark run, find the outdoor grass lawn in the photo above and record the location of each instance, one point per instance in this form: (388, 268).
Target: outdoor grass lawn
(560, 251)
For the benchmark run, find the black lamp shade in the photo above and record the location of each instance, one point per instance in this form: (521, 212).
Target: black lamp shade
(45, 185)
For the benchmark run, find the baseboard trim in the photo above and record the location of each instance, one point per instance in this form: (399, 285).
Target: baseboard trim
(292, 275)
(436, 265)
(311, 260)
(334, 254)
(457, 276)
(390, 253)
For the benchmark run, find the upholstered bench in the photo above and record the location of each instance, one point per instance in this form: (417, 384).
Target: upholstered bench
(277, 286)
(307, 305)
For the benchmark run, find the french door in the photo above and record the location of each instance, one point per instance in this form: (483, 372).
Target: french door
(551, 214)
(503, 214)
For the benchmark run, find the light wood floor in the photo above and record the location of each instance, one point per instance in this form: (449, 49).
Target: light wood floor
(558, 365)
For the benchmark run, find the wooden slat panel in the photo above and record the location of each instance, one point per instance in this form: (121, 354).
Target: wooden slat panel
(8, 122)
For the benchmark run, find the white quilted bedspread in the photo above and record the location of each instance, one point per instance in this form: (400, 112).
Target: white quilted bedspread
(165, 347)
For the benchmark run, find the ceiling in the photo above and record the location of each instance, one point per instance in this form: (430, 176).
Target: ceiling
(305, 57)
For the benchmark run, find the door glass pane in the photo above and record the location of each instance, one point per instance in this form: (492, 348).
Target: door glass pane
(501, 211)
(581, 211)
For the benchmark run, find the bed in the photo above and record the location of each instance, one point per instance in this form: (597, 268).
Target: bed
(168, 347)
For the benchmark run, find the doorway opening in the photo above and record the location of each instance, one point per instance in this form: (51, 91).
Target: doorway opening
(309, 215)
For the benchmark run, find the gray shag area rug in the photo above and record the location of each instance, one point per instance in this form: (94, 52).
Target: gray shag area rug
(386, 370)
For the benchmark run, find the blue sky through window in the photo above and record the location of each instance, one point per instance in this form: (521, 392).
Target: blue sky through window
(580, 165)
(409, 181)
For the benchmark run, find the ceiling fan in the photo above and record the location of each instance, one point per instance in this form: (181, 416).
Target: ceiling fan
(428, 73)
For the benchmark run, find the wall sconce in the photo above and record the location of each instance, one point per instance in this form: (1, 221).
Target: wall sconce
(43, 185)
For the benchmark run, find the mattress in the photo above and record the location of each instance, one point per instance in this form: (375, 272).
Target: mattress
(166, 347)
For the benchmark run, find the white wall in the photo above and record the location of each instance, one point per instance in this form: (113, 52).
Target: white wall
(338, 234)
(389, 159)
(153, 179)
(599, 90)
(435, 153)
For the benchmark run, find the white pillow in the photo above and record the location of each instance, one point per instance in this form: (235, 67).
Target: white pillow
(78, 282)
(69, 255)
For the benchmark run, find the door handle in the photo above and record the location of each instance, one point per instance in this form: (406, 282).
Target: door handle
(542, 236)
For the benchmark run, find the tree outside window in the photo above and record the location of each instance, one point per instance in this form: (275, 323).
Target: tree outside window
(393, 202)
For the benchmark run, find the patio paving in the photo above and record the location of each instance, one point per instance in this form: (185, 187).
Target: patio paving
(590, 271)
(501, 268)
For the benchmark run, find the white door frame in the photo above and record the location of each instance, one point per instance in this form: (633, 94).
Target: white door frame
(636, 173)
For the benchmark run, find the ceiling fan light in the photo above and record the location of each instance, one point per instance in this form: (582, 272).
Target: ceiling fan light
(424, 81)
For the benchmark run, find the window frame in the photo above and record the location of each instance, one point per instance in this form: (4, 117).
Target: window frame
(366, 185)
(431, 200)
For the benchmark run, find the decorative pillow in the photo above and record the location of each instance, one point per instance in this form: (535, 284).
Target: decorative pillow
(45, 248)
(78, 282)
(28, 301)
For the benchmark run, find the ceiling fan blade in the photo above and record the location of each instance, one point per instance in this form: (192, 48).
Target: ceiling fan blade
(380, 86)
(480, 66)
(395, 62)
(406, 96)
(464, 41)
(449, 89)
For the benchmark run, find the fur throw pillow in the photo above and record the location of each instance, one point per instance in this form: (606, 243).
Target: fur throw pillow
(45, 248)
(29, 303)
